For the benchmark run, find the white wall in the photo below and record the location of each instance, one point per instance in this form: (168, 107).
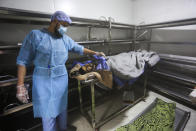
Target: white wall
(153, 11)
(120, 10)
(126, 11)
(34, 5)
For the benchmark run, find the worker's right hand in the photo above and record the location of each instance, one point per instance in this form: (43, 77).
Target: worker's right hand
(22, 94)
(100, 54)
(192, 96)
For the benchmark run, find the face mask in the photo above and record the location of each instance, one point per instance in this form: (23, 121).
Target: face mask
(62, 30)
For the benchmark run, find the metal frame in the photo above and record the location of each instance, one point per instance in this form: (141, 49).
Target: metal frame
(173, 58)
(179, 127)
(16, 16)
(13, 81)
(10, 15)
(92, 119)
(175, 80)
(134, 37)
(176, 23)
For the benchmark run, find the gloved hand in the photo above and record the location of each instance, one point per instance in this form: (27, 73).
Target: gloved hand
(192, 96)
(100, 54)
(22, 94)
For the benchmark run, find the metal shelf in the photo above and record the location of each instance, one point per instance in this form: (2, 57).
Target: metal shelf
(177, 58)
(161, 88)
(177, 77)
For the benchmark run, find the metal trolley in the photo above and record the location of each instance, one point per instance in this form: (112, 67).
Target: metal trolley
(92, 118)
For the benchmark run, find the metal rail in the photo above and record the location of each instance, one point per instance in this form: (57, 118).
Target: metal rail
(16, 109)
(175, 77)
(32, 17)
(175, 23)
(128, 41)
(167, 42)
(176, 58)
(19, 12)
(188, 58)
(13, 81)
(10, 15)
(187, 84)
(43, 18)
(171, 94)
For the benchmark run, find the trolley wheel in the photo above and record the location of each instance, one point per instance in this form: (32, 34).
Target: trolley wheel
(144, 99)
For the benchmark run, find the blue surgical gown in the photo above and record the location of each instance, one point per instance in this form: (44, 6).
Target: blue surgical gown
(50, 79)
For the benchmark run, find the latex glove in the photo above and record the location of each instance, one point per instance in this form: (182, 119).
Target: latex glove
(22, 94)
(100, 54)
(192, 96)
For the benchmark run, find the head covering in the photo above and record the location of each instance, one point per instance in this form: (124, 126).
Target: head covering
(61, 16)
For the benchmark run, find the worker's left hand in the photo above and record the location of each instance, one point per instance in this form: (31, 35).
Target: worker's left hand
(100, 54)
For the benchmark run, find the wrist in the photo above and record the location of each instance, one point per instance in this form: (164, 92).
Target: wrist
(20, 85)
(20, 82)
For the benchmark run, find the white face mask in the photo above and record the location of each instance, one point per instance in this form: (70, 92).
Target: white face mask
(62, 30)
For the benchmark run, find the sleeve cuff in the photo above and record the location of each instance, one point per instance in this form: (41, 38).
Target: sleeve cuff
(22, 63)
(81, 50)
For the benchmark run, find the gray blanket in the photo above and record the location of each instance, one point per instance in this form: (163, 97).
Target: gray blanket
(131, 65)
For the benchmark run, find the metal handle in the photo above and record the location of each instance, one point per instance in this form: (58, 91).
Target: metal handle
(10, 105)
(21, 130)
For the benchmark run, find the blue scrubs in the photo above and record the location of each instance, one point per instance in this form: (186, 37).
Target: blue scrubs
(50, 79)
